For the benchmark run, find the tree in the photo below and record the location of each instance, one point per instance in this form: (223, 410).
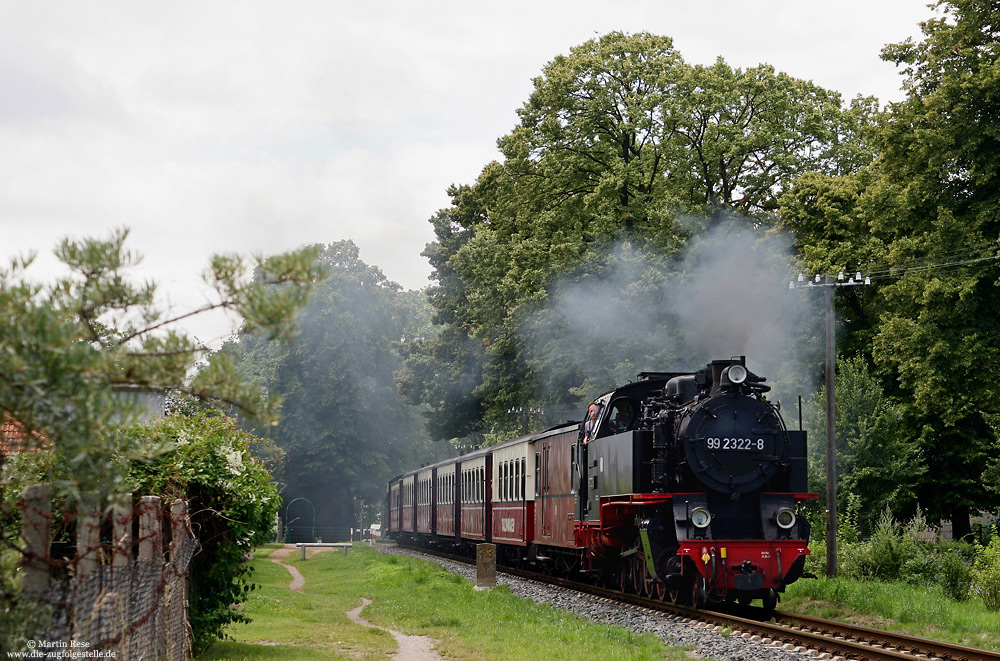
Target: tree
(73, 350)
(344, 429)
(875, 464)
(927, 212)
(617, 140)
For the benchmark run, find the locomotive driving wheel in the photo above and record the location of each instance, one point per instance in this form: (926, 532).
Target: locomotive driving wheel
(625, 576)
(698, 592)
(639, 576)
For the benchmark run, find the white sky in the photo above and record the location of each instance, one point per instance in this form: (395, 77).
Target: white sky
(257, 127)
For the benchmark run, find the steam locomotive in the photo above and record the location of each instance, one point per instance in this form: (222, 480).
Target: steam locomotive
(687, 492)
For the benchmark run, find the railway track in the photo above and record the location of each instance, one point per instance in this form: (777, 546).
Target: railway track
(821, 638)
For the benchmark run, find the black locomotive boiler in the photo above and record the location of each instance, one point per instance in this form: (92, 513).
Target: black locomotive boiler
(687, 490)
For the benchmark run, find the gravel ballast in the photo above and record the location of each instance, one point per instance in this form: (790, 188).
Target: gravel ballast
(705, 639)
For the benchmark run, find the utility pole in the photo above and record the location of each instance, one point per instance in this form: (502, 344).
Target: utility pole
(831, 405)
(831, 438)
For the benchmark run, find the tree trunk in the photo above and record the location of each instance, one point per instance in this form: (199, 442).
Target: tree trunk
(961, 525)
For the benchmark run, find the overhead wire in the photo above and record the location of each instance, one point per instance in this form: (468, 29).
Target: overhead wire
(970, 257)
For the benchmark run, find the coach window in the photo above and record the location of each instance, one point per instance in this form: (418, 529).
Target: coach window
(523, 481)
(515, 482)
(517, 479)
(538, 473)
(506, 472)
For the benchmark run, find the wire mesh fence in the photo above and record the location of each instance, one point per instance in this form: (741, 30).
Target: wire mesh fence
(121, 590)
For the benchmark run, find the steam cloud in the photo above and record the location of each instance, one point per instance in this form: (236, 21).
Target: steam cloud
(727, 295)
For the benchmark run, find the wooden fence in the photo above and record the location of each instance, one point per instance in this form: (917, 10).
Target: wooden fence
(123, 589)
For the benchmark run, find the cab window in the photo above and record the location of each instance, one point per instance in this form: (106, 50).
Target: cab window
(620, 416)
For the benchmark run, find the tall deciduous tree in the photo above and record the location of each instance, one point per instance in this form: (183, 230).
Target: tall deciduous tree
(928, 211)
(618, 138)
(939, 166)
(344, 428)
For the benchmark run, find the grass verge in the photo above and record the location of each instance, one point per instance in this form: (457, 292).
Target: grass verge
(416, 598)
(899, 607)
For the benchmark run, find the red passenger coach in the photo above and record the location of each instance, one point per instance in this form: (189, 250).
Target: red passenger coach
(393, 505)
(513, 492)
(407, 511)
(425, 508)
(444, 500)
(473, 474)
(555, 492)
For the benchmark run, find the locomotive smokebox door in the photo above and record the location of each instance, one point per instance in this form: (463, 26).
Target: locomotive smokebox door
(733, 444)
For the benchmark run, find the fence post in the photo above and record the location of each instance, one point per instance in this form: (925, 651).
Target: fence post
(120, 575)
(151, 642)
(121, 530)
(150, 529)
(86, 621)
(88, 535)
(36, 506)
(175, 588)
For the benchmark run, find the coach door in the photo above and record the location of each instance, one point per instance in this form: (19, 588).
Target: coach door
(545, 488)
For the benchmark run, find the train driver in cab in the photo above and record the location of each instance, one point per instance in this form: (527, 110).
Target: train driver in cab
(590, 425)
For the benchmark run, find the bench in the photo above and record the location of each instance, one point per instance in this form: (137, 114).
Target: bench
(343, 545)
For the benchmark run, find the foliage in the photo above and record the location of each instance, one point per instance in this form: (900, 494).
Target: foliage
(619, 146)
(923, 221)
(902, 607)
(876, 466)
(345, 429)
(207, 461)
(71, 349)
(986, 575)
(906, 553)
(79, 354)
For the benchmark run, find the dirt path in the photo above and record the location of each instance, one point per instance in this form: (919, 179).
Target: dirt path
(411, 648)
(297, 579)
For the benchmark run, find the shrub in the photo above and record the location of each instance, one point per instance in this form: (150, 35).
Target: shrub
(206, 460)
(956, 575)
(889, 549)
(986, 574)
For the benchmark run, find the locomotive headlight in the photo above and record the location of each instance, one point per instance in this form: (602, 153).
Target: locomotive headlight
(785, 518)
(701, 517)
(737, 374)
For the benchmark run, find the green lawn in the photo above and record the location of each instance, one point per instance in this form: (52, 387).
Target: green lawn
(416, 598)
(917, 611)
